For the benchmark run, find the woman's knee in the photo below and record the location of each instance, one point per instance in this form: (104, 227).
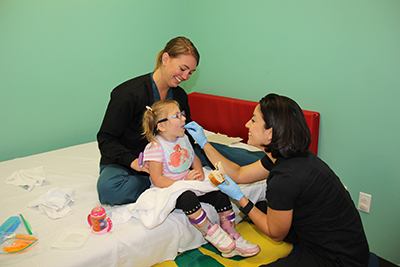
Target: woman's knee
(116, 185)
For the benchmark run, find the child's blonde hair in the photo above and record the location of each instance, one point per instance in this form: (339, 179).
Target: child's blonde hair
(157, 111)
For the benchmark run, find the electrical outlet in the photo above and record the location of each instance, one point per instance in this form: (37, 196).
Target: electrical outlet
(364, 202)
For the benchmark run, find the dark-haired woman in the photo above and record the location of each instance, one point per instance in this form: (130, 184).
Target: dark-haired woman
(306, 202)
(122, 179)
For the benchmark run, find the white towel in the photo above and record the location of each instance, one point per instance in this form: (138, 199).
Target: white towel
(27, 179)
(55, 202)
(155, 204)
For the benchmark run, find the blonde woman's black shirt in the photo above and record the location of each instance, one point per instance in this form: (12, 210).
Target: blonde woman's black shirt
(120, 137)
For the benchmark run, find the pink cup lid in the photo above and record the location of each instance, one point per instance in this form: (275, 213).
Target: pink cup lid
(98, 211)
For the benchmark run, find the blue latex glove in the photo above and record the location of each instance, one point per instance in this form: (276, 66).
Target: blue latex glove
(232, 190)
(196, 131)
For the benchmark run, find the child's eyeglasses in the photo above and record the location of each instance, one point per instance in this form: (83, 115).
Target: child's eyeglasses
(178, 116)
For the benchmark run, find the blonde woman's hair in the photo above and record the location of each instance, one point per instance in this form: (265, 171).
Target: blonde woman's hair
(176, 47)
(158, 111)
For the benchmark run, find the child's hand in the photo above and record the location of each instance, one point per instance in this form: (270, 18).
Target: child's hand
(194, 175)
(201, 178)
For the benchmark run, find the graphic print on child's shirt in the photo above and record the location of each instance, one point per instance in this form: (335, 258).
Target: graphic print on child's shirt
(178, 159)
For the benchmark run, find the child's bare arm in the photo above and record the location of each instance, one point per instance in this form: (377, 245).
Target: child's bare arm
(155, 170)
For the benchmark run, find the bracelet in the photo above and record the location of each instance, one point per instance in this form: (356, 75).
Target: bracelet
(246, 210)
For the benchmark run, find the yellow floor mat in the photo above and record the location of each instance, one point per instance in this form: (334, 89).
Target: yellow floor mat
(208, 256)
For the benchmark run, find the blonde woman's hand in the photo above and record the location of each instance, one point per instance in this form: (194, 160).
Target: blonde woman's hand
(135, 165)
(145, 167)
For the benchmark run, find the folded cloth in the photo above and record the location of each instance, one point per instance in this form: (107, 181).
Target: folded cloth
(223, 139)
(28, 179)
(55, 202)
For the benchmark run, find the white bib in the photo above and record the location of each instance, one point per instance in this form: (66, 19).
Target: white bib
(178, 154)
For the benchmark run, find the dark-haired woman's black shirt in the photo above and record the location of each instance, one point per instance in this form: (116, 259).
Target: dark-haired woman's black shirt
(326, 225)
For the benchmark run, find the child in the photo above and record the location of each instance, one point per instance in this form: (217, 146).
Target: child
(171, 158)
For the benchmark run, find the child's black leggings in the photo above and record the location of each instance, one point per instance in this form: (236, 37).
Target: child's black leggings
(190, 203)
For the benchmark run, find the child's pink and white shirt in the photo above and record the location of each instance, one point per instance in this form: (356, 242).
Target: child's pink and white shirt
(177, 156)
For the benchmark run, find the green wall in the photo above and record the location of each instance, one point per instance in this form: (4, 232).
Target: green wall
(341, 58)
(59, 61)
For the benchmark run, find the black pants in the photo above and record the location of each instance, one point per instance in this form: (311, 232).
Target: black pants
(190, 203)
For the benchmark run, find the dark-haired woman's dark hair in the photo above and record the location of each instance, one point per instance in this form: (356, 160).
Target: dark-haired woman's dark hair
(291, 136)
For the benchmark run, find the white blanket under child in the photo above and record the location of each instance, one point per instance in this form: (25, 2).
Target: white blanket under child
(155, 204)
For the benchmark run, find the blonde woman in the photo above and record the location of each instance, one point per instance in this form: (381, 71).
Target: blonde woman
(121, 178)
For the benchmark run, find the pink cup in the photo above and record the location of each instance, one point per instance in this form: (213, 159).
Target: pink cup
(99, 221)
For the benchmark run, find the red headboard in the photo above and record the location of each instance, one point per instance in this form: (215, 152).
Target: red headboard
(229, 115)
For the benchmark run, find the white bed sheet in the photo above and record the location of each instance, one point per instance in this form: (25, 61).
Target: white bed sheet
(127, 244)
